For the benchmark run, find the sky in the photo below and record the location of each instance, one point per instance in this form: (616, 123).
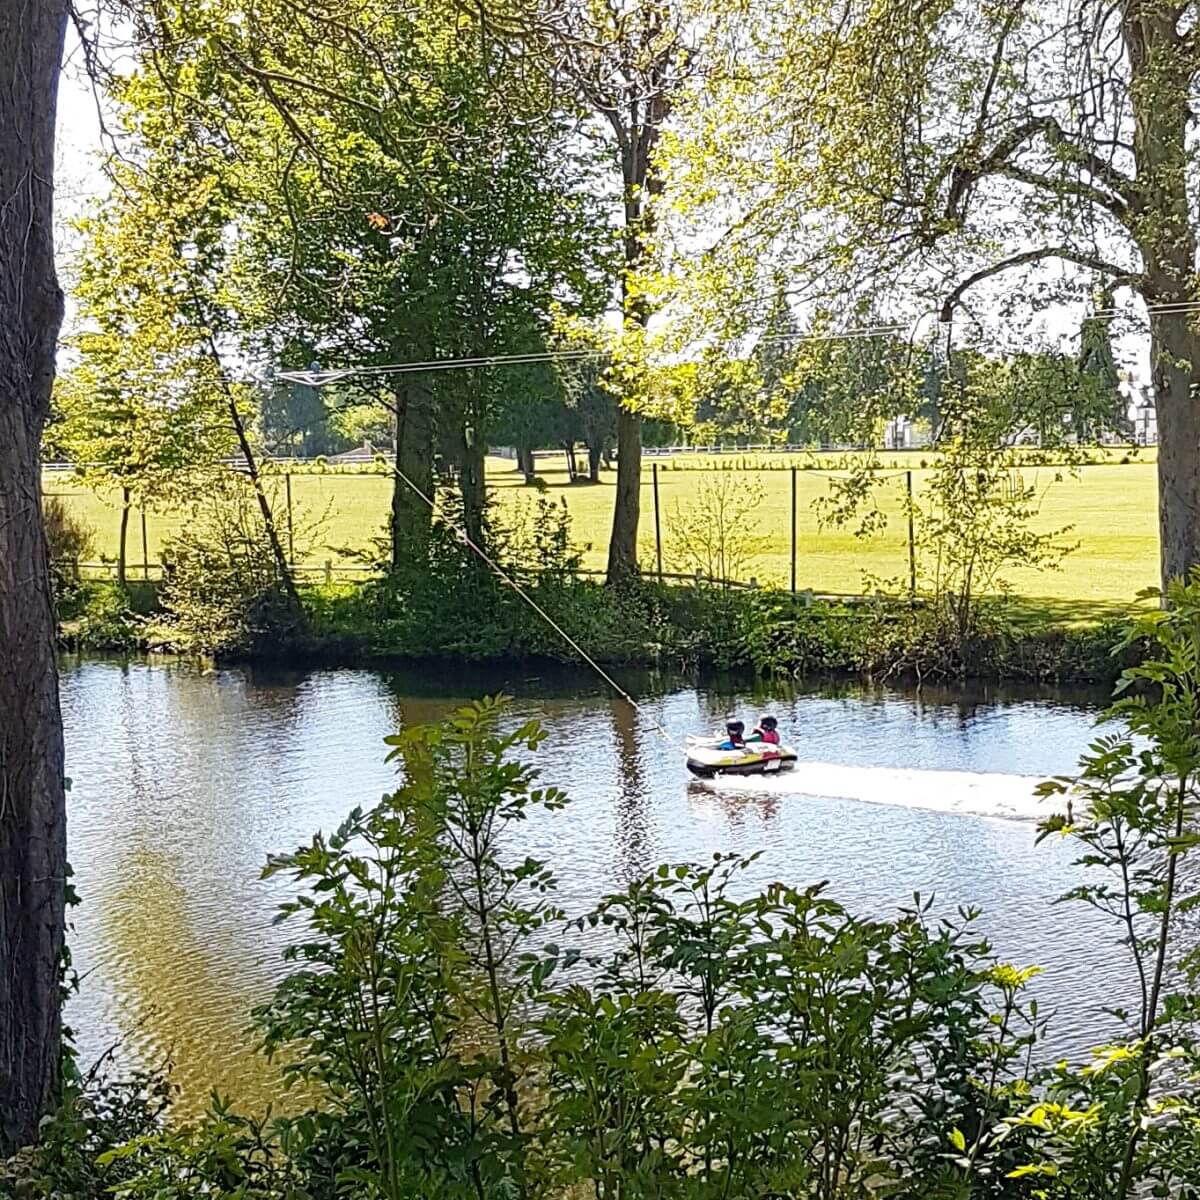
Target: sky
(79, 150)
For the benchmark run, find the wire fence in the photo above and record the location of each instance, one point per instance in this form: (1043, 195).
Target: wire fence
(755, 520)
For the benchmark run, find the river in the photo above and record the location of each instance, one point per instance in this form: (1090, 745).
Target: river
(185, 779)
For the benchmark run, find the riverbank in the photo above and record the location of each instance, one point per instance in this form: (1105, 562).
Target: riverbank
(472, 618)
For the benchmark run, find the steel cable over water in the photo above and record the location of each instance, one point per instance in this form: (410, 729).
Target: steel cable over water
(508, 581)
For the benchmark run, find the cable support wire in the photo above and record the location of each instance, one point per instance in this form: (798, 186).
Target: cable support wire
(321, 378)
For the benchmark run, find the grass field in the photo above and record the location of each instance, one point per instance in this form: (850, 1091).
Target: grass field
(1111, 509)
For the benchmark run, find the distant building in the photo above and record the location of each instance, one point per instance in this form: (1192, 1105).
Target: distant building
(1145, 419)
(903, 433)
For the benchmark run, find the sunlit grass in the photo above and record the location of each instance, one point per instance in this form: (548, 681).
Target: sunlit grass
(1109, 510)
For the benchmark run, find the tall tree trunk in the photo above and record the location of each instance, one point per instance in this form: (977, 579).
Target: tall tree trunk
(525, 464)
(123, 541)
(1162, 69)
(411, 516)
(33, 823)
(642, 183)
(627, 507)
(595, 450)
(1175, 355)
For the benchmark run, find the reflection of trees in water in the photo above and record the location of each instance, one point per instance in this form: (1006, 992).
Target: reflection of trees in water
(632, 833)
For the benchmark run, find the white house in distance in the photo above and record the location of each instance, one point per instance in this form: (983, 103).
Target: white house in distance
(1145, 418)
(903, 433)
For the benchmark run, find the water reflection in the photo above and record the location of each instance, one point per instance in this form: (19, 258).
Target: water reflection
(185, 780)
(636, 852)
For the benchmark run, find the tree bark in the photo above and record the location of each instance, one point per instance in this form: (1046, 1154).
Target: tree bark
(595, 451)
(123, 541)
(1162, 70)
(627, 509)
(32, 802)
(472, 486)
(411, 516)
(1175, 355)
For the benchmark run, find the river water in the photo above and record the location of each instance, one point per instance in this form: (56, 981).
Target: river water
(184, 779)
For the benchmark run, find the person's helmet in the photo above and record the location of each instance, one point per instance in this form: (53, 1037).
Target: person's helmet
(735, 728)
(769, 723)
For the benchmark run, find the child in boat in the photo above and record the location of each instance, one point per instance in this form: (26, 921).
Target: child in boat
(736, 736)
(767, 730)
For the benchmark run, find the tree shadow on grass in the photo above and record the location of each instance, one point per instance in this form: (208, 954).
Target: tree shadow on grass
(1032, 611)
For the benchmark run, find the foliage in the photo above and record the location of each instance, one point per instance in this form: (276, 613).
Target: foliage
(1127, 1123)
(716, 537)
(974, 519)
(80, 1153)
(102, 617)
(972, 163)
(408, 1008)
(225, 1155)
(222, 590)
(974, 524)
(689, 1038)
(144, 407)
(887, 639)
(70, 540)
(774, 1045)
(441, 223)
(679, 1040)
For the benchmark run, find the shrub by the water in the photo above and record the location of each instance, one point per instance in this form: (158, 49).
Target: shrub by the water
(222, 590)
(70, 540)
(222, 594)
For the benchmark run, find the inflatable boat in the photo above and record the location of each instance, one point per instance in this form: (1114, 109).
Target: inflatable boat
(707, 760)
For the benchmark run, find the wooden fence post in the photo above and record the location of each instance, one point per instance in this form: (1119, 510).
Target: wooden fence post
(657, 524)
(793, 531)
(287, 484)
(912, 547)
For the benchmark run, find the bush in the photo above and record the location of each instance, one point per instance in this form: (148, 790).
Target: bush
(222, 588)
(76, 1158)
(70, 540)
(450, 604)
(103, 619)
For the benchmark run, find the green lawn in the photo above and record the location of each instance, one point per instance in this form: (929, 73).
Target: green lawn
(1110, 507)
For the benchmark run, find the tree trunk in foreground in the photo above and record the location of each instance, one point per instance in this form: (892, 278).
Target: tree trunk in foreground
(1162, 68)
(1175, 354)
(32, 803)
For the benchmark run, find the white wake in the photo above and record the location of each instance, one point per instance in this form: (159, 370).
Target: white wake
(971, 793)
